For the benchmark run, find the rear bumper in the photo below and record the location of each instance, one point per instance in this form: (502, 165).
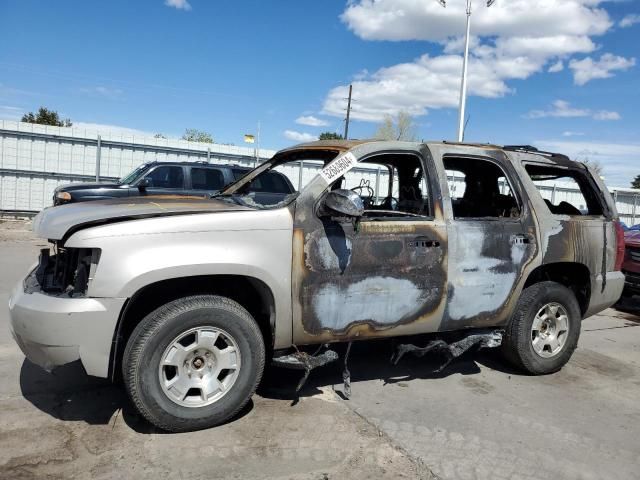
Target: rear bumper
(605, 291)
(53, 331)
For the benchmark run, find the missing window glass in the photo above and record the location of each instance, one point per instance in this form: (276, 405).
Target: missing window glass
(565, 191)
(479, 189)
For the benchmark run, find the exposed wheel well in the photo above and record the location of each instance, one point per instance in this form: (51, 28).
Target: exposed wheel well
(574, 276)
(251, 293)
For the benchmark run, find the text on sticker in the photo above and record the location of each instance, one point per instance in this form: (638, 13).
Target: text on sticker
(338, 167)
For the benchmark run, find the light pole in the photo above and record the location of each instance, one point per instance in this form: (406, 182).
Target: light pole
(463, 83)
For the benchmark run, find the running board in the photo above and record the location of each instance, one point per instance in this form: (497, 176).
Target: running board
(479, 338)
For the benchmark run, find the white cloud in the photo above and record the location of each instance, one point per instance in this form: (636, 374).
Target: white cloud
(606, 115)
(511, 40)
(563, 109)
(589, 69)
(311, 121)
(106, 129)
(572, 134)
(556, 67)
(426, 20)
(179, 4)
(428, 82)
(10, 113)
(629, 20)
(619, 160)
(111, 93)
(299, 136)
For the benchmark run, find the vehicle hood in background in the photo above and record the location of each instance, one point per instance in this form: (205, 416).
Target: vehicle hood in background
(71, 187)
(54, 223)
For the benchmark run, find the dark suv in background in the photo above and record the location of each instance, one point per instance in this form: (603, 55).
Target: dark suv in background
(172, 178)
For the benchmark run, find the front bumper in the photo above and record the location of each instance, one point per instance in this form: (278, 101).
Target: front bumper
(52, 331)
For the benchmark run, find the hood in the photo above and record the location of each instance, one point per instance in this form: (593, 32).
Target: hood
(70, 187)
(55, 223)
(632, 238)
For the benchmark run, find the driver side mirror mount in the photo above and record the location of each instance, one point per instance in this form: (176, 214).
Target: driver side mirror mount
(343, 203)
(144, 183)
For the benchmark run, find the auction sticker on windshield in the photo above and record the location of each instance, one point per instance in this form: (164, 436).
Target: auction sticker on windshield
(338, 167)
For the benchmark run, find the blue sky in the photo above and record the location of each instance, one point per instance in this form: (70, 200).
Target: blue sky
(222, 66)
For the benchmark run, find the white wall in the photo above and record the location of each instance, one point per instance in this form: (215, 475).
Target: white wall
(35, 159)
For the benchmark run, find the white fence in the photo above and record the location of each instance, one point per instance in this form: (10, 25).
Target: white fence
(35, 159)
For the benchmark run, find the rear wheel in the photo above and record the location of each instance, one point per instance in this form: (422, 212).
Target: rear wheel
(544, 329)
(193, 363)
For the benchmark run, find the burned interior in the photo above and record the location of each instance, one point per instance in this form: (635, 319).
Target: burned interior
(584, 203)
(404, 194)
(486, 190)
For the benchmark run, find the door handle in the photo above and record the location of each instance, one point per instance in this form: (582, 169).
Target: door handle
(423, 242)
(521, 239)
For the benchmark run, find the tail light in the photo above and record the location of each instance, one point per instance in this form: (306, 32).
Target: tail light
(619, 246)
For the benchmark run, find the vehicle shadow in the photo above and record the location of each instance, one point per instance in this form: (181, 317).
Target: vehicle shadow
(372, 361)
(630, 306)
(69, 394)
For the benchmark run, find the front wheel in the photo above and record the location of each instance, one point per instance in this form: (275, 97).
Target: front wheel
(193, 363)
(544, 329)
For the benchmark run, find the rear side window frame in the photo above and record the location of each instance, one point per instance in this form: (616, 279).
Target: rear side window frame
(591, 184)
(194, 167)
(509, 175)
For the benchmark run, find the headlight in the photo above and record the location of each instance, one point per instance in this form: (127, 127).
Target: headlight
(63, 196)
(67, 272)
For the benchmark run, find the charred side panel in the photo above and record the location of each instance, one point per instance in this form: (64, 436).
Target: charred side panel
(376, 277)
(383, 278)
(489, 258)
(588, 241)
(487, 264)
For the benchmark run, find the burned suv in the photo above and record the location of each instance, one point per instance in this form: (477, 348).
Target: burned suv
(187, 299)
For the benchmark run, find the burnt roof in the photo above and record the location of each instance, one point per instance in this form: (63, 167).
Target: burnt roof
(344, 145)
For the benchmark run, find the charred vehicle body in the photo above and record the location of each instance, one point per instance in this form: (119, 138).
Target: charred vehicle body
(187, 298)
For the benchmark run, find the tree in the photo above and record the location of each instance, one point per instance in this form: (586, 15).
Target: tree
(330, 136)
(159, 135)
(404, 128)
(46, 117)
(195, 135)
(636, 182)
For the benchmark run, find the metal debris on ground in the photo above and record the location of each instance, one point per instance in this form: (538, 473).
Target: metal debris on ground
(482, 339)
(303, 361)
(346, 374)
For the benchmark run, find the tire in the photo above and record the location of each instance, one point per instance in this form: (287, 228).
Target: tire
(219, 323)
(518, 342)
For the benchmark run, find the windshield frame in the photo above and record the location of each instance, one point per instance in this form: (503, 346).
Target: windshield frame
(138, 171)
(327, 154)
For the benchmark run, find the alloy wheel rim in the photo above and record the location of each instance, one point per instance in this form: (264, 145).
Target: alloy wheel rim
(550, 329)
(199, 366)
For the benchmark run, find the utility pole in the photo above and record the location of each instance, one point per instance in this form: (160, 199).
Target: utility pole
(463, 84)
(346, 122)
(465, 61)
